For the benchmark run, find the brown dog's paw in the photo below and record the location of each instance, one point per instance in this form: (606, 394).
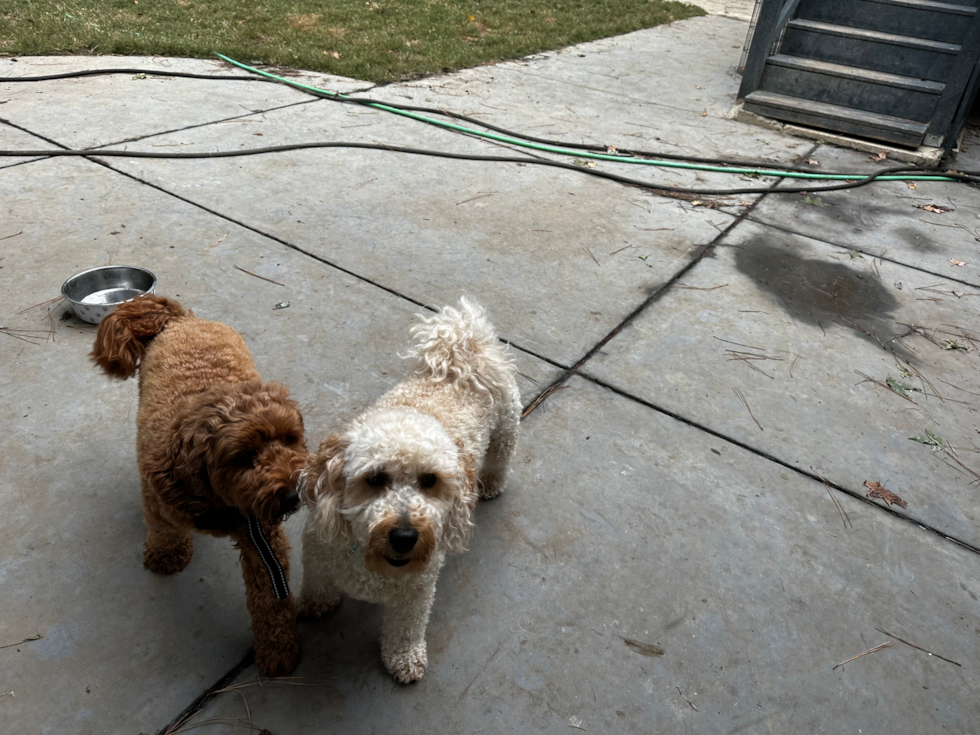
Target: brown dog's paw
(277, 660)
(310, 609)
(168, 561)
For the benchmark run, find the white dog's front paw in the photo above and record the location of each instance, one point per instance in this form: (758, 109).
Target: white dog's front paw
(406, 666)
(490, 488)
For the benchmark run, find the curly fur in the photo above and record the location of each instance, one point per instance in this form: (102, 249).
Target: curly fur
(414, 462)
(214, 444)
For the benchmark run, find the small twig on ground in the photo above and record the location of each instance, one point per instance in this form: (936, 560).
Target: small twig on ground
(26, 640)
(478, 196)
(14, 235)
(216, 242)
(860, 329)
(917, 373)
(49, 302)
(696, 288)
(262, 277)
(950, 452)
(738, 343)
(869, 379)
(892, 635)
(745, 361)
(621, 249)
(537, 401)
(845, 519)
(216, 721)
(746, 404)
(687, 700)
(592, 256)
(870, 650)
(357, 187)
(793, 365)
(958, 388)
(25, 335)
(739, 355)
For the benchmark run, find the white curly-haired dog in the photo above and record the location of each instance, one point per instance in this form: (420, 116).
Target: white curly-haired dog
(391, 495)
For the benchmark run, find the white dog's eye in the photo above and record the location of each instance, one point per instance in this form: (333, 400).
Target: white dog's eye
(378, 479)
(427, 481)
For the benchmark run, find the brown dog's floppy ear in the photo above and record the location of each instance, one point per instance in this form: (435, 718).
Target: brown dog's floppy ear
(178, 469)
(459, 525)
(322, 484)
(125, 332)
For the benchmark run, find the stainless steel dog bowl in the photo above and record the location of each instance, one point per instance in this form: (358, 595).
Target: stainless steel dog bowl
(96, 292)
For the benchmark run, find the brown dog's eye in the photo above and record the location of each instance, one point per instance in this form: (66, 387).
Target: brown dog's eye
(378, 479)
(427, 481)
(245, 459)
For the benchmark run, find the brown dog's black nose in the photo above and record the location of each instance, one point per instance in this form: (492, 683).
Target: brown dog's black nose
(288, 499)
(403, 540)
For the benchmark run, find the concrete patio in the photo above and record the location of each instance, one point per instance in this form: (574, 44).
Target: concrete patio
(685, 543)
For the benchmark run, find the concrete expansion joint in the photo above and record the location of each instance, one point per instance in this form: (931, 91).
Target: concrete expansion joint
(651, 299)
(765, 455)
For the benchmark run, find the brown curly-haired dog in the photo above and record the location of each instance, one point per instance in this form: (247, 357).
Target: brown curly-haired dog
(219, 452)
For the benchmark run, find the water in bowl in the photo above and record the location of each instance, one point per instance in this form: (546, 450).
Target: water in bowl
(111, 296)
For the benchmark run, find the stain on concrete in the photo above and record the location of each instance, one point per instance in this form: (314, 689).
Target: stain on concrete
(814, 289)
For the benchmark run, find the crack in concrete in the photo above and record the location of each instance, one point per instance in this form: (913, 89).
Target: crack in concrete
(210, 693)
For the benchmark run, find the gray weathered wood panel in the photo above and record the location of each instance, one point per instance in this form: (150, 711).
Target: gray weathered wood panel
(836, 118)
(930, 20)
(886, 52)
(860, 95)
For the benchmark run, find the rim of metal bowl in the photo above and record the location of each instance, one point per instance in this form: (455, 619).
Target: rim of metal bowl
(64, 286)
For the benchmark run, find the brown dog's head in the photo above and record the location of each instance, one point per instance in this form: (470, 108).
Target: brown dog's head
(245, 442)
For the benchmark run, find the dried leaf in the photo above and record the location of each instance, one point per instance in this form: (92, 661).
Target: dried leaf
(936, 443)
(934, 208)
(880, 156)
(902, 388)
(644, 649)
(704, 114)
(911, 184)
(812, 162)
(875, 490)
(958, 263)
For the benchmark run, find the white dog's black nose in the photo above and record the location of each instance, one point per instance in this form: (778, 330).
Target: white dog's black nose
(403, 540)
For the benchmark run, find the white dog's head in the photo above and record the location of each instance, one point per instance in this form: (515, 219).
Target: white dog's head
(396, 486)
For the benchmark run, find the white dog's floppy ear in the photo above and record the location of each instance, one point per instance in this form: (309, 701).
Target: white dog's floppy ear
(322, 485)
(459, 525)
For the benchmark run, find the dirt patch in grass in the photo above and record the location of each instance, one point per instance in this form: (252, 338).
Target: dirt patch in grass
(375, 41)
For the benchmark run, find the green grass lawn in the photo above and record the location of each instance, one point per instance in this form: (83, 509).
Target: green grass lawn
(378, 41)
